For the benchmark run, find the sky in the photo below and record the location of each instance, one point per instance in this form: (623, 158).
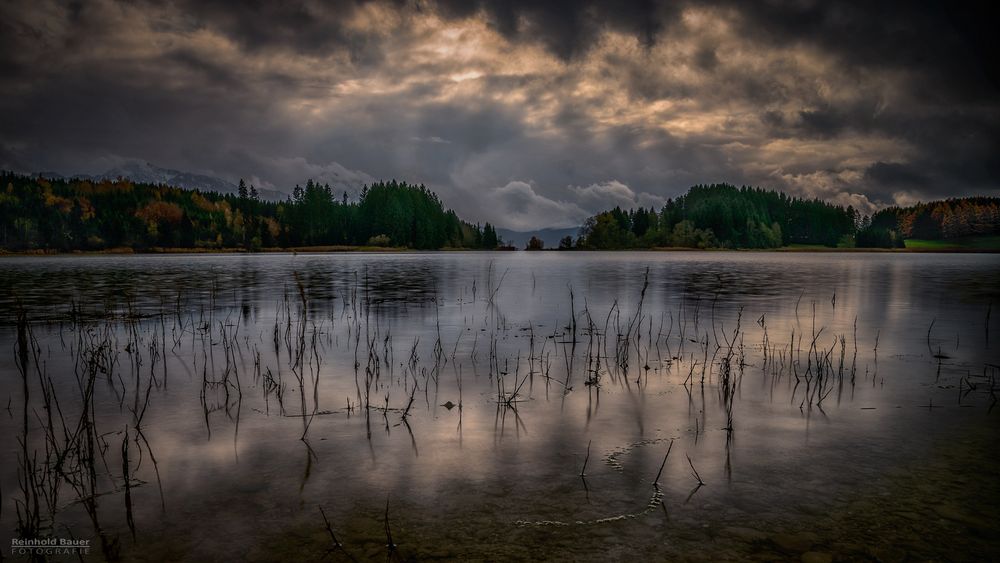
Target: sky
(526, 114)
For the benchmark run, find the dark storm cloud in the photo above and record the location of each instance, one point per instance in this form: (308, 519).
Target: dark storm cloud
(305, 27)
(523, 113)
(892, 174)
(947, 43)
(566, 27)
(204, 68)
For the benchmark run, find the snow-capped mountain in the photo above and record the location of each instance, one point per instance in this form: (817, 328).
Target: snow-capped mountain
(145, 172)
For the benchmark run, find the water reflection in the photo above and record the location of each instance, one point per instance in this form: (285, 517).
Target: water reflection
(468, 388)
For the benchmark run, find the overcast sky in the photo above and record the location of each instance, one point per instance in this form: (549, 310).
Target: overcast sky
(526, 114)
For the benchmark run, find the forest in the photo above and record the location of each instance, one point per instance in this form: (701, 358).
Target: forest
(938, 220)
(724, 216)
(37, 213)
(65, 215)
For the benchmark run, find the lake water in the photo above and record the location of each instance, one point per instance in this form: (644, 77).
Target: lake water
(829, 404)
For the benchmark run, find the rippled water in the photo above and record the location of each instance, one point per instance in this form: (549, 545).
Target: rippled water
(451, 386)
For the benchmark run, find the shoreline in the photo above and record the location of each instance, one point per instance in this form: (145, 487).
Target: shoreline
(336, 249)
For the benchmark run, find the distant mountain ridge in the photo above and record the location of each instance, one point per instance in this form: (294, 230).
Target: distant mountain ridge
(146, 172)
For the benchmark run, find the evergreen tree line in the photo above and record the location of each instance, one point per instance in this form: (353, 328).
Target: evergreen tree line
(59, 214)
(723, 216)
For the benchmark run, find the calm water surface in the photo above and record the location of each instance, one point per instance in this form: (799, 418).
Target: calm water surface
(813, 395)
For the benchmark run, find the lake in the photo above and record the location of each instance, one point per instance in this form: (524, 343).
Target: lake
(464, 405)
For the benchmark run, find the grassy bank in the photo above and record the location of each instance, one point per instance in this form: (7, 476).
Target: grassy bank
(975, 243)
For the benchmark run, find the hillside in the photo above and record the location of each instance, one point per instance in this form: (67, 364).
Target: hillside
(79, 214)
(723, 216)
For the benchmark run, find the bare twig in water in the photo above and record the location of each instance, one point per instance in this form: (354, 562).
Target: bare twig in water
(333, 537)
(388, 531)
(989, 309)
(694, 471)
(656, 481)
